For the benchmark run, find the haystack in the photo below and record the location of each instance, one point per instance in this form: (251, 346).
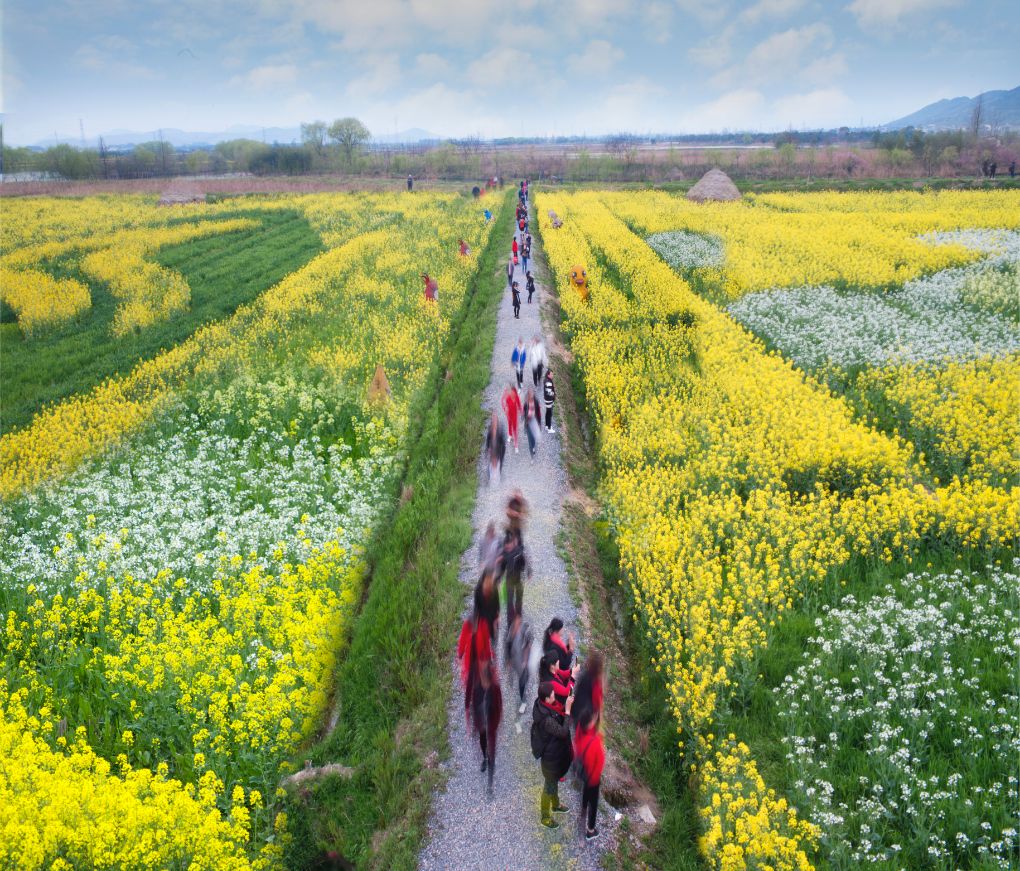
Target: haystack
(714, 185)
(181, 192)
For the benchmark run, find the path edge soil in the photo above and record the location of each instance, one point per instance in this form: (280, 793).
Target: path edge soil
(633, 694)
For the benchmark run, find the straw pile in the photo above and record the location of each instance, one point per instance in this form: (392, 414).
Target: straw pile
(714, 185)
(181, 192)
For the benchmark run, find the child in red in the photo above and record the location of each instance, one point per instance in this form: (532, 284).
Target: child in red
(512, 407)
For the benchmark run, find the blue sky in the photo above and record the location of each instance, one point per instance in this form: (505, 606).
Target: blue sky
(466, 67)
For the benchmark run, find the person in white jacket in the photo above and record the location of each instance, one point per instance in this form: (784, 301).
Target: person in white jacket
(538, 359)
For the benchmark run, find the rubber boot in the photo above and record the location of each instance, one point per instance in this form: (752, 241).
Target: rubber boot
(547, 817)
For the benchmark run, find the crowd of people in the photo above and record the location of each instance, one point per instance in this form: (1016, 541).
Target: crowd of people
(566, 710)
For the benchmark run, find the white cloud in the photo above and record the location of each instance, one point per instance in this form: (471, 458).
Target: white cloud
(597, 59)
(739, 109)
(828, 107)
(378, 73)
(770, 9)
(431, 65)
(778, 58)
(657, 17)
(505, 66)
(266, 76)
(592, 13)
(112, 56)
(629, 106)
(825, 69)
(886, 13)
(715, 51)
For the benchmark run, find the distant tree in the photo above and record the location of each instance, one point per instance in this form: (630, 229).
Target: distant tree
(313, 135)
(349, 134)
(976, 116)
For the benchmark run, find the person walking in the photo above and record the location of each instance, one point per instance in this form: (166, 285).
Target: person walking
(550, 742)
(489, 549)
(511, 402)
(510, 272)
(495, 447)
(487, 603)
(513, 246)
(514, 564)
(537, 357)
(549, 395)
(515, 298)
(518, 360)
(525, 254)
(530, 286)
(521, 639)
(532, 416)
(483, 696)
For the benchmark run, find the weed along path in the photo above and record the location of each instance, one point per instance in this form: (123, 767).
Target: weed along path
(469, 828)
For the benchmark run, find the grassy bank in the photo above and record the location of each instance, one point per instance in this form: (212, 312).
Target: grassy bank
(392, 689)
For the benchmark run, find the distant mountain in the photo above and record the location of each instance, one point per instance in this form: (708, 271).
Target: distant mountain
(998, 109)
(195, 139)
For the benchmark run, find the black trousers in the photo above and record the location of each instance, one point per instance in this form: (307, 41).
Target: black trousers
(514, 599)
(590, 802)
(548, 417)
(517, 307)
(520, 372)
(536, 371)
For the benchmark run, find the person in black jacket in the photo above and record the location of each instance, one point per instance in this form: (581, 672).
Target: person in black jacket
(557, 752)
(549, 394)
(495, 447)
(487, 603)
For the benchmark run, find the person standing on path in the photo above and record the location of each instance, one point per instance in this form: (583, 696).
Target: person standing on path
(510, 272)
(590, 752)
(518, 360)
(549, 395)
(512, 409)
(537, 356)
(531, 286)
(513, 246)
(524, 260)
(515, 295)
(550, 742)
(410, 184)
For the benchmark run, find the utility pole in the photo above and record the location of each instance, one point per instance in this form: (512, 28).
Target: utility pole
(102, 157)
(81, 128)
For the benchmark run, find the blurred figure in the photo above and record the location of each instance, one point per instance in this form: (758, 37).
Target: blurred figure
(495, 448)
(562, 651)
(431, 287)
(489, 549)
(537, 356)
(483, 696)
(510, 272)
(518, 360)
(589, 750)
(513, 247)
(532, 416)
(513, 565)
(465, 250)
(410, 184)
(521, 638)
(550, 742)
(487, 603)
(512, 408)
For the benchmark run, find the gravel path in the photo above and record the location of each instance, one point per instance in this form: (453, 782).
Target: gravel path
(469, 829)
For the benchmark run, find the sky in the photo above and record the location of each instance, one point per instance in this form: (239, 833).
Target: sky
(494, 68)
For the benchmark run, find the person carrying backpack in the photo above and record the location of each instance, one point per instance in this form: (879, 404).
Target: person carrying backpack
(550, 742)
(530, 284)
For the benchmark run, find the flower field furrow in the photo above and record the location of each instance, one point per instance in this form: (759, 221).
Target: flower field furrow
(178, 579)
(732, 482)
(40, 301)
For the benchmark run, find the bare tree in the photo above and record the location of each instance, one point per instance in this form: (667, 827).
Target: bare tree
(349, 134)
(976, 116)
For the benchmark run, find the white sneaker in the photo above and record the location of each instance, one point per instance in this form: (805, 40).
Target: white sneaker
(515, 449)
(552, 429)
(522, 708)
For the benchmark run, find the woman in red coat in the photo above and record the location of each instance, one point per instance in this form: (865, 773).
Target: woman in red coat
(512, 408)
(589, 751)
